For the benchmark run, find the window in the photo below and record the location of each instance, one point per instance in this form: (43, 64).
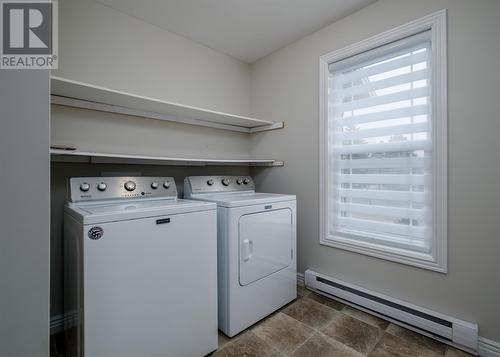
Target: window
(383, 145)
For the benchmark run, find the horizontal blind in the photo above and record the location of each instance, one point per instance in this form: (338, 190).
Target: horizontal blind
(380, 146)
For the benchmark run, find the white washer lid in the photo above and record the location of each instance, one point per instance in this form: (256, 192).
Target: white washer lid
(91, 213)
(238, 199)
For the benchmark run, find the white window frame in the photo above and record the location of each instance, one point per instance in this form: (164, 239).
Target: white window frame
(437, 259)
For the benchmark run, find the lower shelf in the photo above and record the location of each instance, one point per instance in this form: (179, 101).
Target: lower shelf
(104, 158)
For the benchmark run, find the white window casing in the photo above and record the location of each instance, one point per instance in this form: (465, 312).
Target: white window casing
(383, 167)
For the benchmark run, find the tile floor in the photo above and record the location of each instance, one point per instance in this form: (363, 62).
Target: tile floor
(315, 326)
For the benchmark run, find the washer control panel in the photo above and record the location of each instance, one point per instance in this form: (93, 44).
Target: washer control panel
(212, 184)
(109, 188)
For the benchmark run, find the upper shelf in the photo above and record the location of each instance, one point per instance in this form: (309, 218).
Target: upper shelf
(76, 94)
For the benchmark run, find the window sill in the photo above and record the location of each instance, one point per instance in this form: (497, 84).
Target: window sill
(419, 260)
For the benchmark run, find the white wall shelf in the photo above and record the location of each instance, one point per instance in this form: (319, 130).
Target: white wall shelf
(70, 93)
(106, 158)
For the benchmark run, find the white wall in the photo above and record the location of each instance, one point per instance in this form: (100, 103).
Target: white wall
(105, 47)
(24, 213)
(285, 87)
(115, 133)
(102, 46)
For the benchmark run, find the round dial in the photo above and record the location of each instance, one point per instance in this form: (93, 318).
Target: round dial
(210, 182)
(102, 186)
(225, 182)
(239, 181)
(246, 181)
(84, 187)
(154, 185)
(129, 185)
(166, 184)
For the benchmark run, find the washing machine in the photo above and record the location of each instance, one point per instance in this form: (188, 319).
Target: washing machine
(256, 244)
(140, 273)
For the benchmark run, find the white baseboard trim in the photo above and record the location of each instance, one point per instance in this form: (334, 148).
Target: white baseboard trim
(300, 280)
(488, 348)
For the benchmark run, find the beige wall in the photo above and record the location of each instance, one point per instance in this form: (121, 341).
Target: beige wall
(285, 86)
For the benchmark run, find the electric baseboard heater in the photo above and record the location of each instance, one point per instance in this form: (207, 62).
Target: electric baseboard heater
(449, 330)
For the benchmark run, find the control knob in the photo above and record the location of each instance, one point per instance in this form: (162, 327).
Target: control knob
(84, 187)
(225, 182)
(166, 184)
(154, 185)
(246, 181)
(210, 182)
(102, 186)
(239, 181)
(129, 185)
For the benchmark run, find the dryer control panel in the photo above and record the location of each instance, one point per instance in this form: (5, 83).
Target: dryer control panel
(213, 184)
(110, 188)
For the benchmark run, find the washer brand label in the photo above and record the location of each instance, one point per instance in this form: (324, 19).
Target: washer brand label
(95, 233)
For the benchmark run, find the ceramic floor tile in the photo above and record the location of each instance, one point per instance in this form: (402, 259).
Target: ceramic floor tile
(363, 316)
(454, 352)
(310, 312)
(223, 340)
(417, 339)
(302, 292)
(326, 301)
(393, 346)
(319, 346)
(248, 345)
(353, 333)
(283, 332)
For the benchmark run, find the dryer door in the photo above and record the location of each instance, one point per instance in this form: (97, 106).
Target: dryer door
(265, 241)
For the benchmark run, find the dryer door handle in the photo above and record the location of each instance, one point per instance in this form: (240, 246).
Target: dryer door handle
(247, 250)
